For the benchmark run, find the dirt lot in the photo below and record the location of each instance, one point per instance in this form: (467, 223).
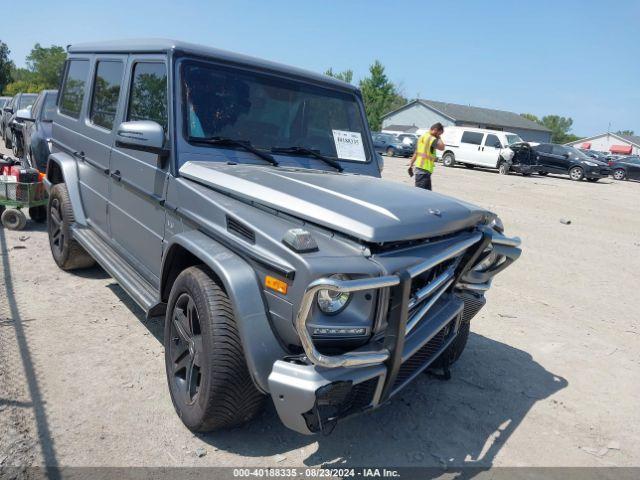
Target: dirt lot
(550, 377)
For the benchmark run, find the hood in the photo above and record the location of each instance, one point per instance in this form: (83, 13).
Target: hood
(368, 208)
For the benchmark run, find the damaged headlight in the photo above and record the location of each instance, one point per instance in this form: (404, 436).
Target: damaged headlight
(332, 302)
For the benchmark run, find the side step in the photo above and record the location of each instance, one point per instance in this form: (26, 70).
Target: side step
(140, 290)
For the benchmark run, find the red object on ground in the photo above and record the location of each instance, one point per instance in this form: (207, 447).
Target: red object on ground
(586, 145)
(622, 149)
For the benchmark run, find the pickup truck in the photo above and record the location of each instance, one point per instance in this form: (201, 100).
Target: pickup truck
(242, 200)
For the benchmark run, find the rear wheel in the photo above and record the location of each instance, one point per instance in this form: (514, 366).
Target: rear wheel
(448, 159)
(38, 214)
(13, 219)
(391, 152)
(67, 253)
(503, 168)
(576, 173)
(209, 381)
(619, 174)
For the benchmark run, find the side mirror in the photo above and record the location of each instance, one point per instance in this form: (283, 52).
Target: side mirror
(565, 155)
(143, 136)
(24, 115)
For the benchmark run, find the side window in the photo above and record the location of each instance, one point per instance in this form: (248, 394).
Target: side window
(473, 138)
(543, 148)
(106, 91)
(558, 150)
(35, 109)
(492, 141)
(148, 95)
(49, 106)
(73, 87)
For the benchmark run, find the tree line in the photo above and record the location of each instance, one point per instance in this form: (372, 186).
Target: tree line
(44, 66)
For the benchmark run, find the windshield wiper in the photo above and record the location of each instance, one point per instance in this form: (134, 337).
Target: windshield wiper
(308, 152)
(232, 142)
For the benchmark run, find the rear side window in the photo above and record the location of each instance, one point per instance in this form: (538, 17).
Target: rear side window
(474, 138)
(106, 91)
(148, 97)
(559, 150)
(492, 141)
(73, 87)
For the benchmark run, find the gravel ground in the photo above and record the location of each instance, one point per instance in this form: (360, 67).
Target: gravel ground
(550, 376)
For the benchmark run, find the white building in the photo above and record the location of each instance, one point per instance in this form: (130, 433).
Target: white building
(610, 142)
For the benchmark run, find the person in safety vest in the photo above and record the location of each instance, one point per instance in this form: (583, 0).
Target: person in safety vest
(424, 158)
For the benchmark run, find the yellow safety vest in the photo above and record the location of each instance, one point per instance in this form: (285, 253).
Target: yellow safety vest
(426, 152)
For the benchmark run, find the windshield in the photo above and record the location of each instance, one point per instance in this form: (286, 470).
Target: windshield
(49, 107)
(26, 101)
(511, 139)
(268, 111)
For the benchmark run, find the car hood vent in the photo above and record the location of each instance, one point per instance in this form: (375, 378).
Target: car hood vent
(240, 229)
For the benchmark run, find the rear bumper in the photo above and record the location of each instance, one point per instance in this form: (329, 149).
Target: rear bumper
(312, 392)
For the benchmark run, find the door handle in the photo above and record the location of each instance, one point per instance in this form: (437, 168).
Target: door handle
(116, 175)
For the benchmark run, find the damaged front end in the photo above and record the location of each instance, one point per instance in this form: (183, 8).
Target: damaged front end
(428, 293)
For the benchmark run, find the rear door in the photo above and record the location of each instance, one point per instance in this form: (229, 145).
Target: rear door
(544, 157)
(136, 215)
(470, 145)
(560, 158)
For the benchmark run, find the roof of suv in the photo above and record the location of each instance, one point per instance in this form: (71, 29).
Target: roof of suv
(161, 45)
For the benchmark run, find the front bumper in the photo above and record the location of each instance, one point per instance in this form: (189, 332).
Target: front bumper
(312, 392)
(597, 172)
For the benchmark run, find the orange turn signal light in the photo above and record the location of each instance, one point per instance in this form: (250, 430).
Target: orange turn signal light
(275, 284)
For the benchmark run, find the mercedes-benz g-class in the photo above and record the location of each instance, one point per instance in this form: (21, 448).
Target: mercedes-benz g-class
(242, 199)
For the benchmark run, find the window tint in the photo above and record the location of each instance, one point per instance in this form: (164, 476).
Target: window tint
(492, 141)
(543, 148)
(73, 88)
(148, 97)
(474, 138)
(106, 91)
(558, 150)
(49, 107)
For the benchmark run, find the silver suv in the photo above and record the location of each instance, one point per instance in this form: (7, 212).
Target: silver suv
(242, 200)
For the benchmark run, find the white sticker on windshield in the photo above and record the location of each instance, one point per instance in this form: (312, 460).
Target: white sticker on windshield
(349, 145)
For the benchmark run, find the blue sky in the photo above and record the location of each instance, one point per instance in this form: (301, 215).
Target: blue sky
(571, 58)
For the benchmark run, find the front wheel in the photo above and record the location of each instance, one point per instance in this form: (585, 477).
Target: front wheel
(503, 168)
(391, 152)
(67, 253)
(16, 148)
(576, 174)
(619, 174)
(448, 159)
(209, 381)
(7, 138)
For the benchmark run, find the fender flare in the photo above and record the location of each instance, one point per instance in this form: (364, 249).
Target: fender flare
(260, 345)
(67, 165)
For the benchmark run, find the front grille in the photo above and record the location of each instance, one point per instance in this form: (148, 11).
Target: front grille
(360, 396)
(424, 356)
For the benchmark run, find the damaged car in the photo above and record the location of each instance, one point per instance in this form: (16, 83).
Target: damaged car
(241, 199)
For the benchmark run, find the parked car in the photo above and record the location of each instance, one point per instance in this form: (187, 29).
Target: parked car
(409, 139)
(35, 132)
(553, 158)
(626, 168)
(595, 154)
(477, 147)
(257, 221)
(390, 145)
(18, 102)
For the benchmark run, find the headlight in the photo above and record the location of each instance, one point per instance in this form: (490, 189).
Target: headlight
(591, 164)
(497, 225)
(332, 302)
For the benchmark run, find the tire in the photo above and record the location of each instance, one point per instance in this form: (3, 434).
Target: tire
(15, 146)
(576, 173)
(391, 152)
(13, 219)
(619, 174)
(503, 168)
(592, 180)
(448, 159)
(209, 382)
(7, 140)
(38, 214)
(544, 174)
(67, 253)
(454, 351)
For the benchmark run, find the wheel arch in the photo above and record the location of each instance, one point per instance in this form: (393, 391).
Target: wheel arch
(239, 281)
(62, 168)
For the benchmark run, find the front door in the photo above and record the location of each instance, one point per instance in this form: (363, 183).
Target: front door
(490, 150)
(136, 215)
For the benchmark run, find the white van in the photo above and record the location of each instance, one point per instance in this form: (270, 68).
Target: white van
(477, 146)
